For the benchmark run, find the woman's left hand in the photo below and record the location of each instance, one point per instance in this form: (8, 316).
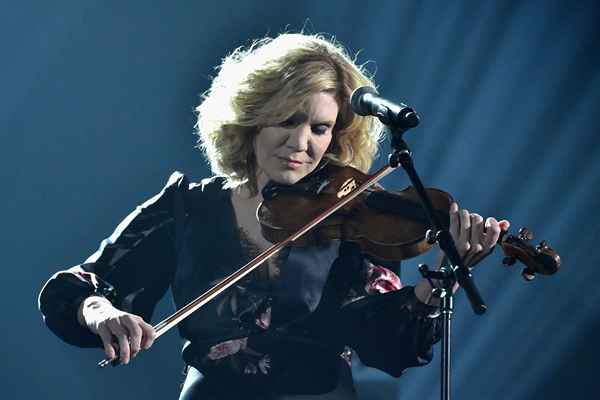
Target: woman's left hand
(474, 239)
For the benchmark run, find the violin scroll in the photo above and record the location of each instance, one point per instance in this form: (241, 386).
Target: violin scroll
(539, 259)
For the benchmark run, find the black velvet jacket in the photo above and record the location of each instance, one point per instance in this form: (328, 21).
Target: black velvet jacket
(185, 238)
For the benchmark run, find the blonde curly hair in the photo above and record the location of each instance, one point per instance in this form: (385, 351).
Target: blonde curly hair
(266, 83)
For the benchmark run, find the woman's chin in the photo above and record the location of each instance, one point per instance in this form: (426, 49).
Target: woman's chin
(288, 177)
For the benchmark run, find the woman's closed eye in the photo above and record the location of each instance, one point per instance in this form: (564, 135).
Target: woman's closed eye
(320, 129)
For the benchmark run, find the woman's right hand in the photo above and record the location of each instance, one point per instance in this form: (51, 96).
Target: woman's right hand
(130, 332)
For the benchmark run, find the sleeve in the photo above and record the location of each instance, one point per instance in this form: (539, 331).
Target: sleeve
(392, 331)
(385, 323)
(133, 268)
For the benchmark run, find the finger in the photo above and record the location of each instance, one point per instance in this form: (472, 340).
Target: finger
(121, 334)
(106, 337)
(135, 333)
(476, 236)
(504, 225)
(492, 232)
(149, 334)
(454, 221)
(465, 225)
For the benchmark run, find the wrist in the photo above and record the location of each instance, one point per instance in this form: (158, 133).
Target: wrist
(427, 301)
(424, 292)
(90, 306)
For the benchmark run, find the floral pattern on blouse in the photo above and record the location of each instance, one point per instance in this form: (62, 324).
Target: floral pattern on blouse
(249, 309)
(227, 348)
(381, 280)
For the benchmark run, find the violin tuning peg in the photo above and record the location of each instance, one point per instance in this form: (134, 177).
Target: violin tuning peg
(509, 260)
(541, 247)
(527, 274)
(525, 234)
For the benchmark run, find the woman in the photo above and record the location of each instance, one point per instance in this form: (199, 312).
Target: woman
(276, 112)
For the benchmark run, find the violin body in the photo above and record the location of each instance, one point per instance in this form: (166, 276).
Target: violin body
(390, 226)
(387, 225)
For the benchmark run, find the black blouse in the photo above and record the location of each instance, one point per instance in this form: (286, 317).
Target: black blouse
(285, 333)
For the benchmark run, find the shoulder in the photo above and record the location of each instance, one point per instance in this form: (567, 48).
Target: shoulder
(194, 195)
(177, 181)
(208, 187)
(163, 198)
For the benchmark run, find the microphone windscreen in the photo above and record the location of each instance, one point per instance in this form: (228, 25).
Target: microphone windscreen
(358, 106)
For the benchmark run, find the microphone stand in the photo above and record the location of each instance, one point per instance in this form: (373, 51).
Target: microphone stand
(447, 275)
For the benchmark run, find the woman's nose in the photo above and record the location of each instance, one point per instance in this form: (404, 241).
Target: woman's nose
(299, 137)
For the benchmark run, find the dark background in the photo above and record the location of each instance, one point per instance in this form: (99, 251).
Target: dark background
(96, 110)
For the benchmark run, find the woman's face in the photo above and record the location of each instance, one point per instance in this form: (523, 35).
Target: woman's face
(287, 152)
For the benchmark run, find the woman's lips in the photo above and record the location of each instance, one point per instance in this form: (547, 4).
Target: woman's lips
(292, 164)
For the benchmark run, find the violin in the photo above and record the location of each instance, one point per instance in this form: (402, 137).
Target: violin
(336, 202)
(391, 226)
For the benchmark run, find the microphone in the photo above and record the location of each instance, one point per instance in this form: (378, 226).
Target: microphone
(366, 101)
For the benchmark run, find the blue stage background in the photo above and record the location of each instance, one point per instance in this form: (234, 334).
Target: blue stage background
(96, 110)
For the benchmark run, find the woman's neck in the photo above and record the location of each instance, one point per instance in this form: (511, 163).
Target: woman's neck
(261, 181)
(246, 202)
(243, 196)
